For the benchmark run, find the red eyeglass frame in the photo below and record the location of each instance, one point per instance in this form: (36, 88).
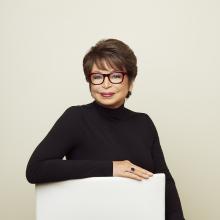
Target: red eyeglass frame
(106, 75)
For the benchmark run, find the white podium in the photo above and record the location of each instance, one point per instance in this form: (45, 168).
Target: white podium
(102, 198)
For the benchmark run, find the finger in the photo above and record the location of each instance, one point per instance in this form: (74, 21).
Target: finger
(141, 174)
(132, 176)
(141, 171)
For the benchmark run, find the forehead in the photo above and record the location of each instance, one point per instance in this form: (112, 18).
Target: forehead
(106, 65)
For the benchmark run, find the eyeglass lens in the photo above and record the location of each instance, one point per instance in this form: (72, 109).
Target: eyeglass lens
(115, 77)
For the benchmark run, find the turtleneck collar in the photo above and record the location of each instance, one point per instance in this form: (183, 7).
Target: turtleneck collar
(118, 113)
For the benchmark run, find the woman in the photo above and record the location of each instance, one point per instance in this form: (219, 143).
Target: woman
(104, 138)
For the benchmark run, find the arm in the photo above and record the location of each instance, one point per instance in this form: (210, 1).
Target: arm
(173, 209)
(46, 163)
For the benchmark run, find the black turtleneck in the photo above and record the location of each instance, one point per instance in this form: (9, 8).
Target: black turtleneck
(91, 136)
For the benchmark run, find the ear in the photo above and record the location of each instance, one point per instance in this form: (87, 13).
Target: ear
(131, 84)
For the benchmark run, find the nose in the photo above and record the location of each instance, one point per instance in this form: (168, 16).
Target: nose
(106, 82)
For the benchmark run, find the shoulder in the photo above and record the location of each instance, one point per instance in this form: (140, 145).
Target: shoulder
(145, 119)
(76, 111)
(73, 109)
(71, 113)
(141, 115)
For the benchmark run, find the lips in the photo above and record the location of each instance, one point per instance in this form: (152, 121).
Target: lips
(107, 94)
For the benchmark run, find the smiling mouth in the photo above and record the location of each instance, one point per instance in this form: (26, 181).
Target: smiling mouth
(107, 94)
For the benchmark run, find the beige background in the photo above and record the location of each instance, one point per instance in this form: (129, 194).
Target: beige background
(177, 45)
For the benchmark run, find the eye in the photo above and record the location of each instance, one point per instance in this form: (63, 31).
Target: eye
(97, 76)
(116, 75)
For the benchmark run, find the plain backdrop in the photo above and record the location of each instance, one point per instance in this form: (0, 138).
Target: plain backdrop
(42, 44)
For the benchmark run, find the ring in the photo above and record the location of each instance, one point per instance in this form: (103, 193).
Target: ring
(132, 169)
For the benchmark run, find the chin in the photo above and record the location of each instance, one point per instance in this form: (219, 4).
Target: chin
(113, 103)
(107, 101)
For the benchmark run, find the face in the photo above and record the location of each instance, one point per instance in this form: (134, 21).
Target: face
(119, 90)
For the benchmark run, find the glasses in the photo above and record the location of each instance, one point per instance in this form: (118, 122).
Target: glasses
(115, 77)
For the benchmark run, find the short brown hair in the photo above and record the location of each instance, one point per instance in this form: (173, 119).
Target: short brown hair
(116, 53)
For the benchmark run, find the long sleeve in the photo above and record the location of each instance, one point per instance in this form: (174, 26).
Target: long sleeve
(173, 208)
(46, 163)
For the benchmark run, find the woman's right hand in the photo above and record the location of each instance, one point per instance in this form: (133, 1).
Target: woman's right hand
(123, 169)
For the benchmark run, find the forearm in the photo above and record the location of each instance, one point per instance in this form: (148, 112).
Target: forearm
(60, 170)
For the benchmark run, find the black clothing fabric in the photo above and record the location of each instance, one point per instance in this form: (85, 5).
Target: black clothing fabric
(91, 136)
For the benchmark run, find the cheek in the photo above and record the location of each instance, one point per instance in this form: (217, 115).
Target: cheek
(94, 88)
(117, 88)
(125, 86)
